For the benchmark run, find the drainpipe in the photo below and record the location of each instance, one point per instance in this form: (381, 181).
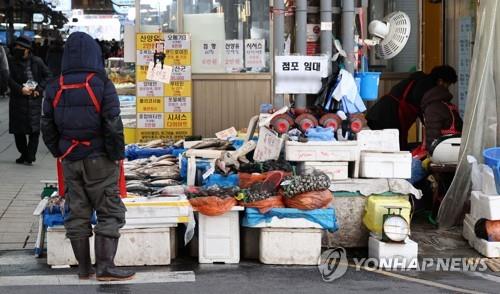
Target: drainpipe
(279, 42)
(348, 15)
(326, 34)
(301, 44)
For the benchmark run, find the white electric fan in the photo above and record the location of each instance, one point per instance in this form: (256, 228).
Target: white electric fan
(390, 35)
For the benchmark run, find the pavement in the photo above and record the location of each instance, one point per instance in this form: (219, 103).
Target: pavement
(20, 188)
(21, 272)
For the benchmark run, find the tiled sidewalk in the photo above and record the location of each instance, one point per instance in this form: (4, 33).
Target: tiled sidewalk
(20, 188)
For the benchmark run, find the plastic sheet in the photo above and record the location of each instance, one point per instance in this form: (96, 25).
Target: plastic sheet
(320, 134)
(265, 205)
(326, 218)
(310, 200)
(133, 152)
(480, 129)
(212, 205)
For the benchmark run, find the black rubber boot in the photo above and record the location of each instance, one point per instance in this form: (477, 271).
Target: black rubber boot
(81, 248)
(105, 250)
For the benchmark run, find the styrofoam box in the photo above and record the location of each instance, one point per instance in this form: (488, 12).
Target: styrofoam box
(334, 170)
(290, 246)
(488, 249)
(394, 255)
(137, 247)
(322, 151)
(393, 165)
(485, 206)
(288, 223)
(380, 140)
(219, 237)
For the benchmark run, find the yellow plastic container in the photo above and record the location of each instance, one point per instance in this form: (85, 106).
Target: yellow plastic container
(376, 208)
(130, 135)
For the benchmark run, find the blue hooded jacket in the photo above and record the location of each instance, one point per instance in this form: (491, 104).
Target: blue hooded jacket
(75, 118)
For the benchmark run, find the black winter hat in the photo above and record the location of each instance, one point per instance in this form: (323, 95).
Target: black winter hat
(23, 41)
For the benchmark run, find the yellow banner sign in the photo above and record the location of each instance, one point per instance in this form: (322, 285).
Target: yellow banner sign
(147, 41)
(178, 120)
(178, 88)
(140, 72)
(150, 104)
(146, 135)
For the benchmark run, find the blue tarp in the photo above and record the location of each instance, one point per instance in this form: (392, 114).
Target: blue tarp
(133, 152)
(55, 218)
(324, 217)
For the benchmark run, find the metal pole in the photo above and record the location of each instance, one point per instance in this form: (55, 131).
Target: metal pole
(326, 28)
(279, 42)
(348, 15)
(301, 43)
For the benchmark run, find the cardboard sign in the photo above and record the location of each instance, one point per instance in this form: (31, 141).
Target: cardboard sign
(178, 120)
(211, 53)
(149, 88)
(233, 57)
(268, 146)
(300, 74)
(227, 133)
(255, 53)
(177, 104)
(159, 73)
(150, 120)
(150, 104)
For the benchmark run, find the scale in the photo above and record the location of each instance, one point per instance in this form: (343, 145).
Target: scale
(395, 228)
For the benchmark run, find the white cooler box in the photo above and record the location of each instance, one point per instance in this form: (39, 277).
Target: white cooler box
(290, 246)
(394, 255)
(322, 151)
(219, 237)
(386, 165)
(137, 247)
(484, 206)
(379, 140)
(334, 170)
(488, 249)
(151, 212)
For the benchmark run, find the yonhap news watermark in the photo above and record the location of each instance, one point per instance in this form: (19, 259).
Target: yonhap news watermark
(333, 264)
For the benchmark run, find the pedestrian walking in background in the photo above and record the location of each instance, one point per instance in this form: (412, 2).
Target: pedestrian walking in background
(54, 57)
(82, 127)
(25, 102)
(4, 71)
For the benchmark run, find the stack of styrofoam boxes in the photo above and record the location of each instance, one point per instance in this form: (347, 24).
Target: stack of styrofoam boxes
(381, 156)
(330, 157)
(148, 238)
(482, 206)
(219, 237)
(289, 241)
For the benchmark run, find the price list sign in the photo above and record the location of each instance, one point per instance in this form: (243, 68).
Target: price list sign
(164, 109)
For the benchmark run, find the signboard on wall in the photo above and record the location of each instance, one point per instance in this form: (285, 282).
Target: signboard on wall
(255, 53)
(164, 109)
(300, 74)
(233, 54)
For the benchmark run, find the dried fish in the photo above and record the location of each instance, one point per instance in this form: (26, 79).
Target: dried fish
(215, 144)
(131, 176)
(163, 183)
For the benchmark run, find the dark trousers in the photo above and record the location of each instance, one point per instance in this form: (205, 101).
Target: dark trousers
(92, 184)
(27, 145)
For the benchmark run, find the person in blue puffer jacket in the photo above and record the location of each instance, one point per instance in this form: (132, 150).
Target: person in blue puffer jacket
(82, 127)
